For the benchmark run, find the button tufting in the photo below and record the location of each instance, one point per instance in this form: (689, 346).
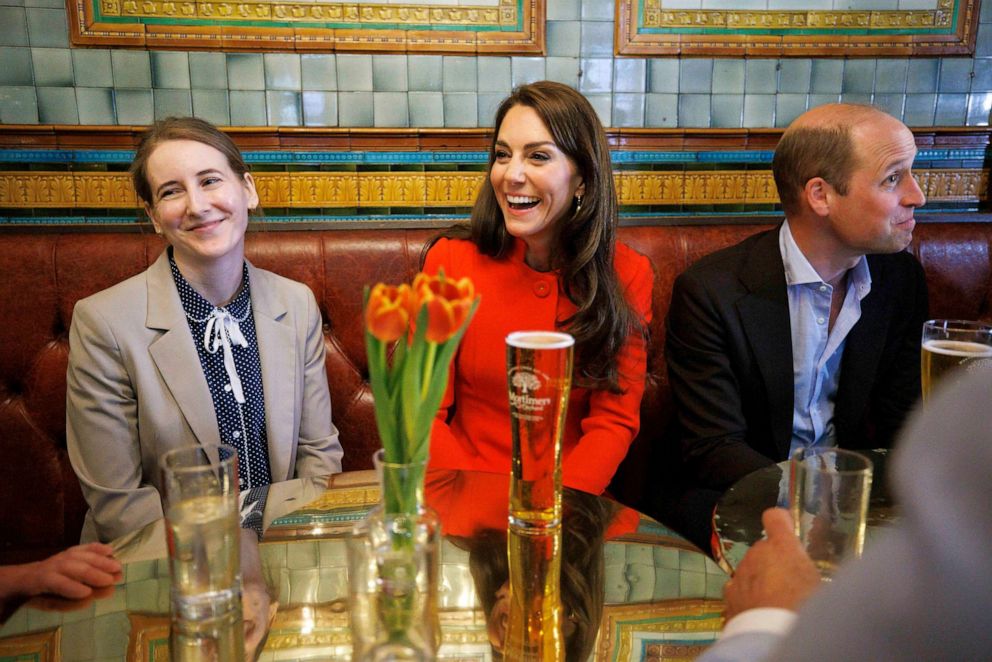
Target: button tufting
(541, 288)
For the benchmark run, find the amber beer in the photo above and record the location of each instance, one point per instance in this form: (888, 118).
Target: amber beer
(950, 344)
(539, 380)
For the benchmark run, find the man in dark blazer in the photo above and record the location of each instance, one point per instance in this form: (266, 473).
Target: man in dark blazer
(807, 334)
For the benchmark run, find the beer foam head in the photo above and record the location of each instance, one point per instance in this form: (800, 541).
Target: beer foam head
(539, 340)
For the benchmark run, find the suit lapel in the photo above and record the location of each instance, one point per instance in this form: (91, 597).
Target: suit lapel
(175, 354)
(277, 353)
(764, 313)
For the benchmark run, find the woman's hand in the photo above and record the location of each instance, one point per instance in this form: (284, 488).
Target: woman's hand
(73, 573)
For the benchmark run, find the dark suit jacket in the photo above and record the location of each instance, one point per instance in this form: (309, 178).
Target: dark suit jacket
(729, 352)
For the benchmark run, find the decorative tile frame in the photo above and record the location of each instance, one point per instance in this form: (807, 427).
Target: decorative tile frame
(647, 27)
(493, 27)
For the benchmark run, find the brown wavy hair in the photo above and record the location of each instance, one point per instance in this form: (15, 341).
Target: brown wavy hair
(583, 241)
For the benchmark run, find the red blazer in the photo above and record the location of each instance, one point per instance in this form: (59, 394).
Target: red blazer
(472, 429)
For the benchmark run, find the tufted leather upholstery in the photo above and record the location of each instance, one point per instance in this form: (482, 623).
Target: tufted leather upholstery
(43, 275)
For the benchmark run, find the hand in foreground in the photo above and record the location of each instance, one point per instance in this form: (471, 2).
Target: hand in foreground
(259, 610)
(775, 572)
(72, 573)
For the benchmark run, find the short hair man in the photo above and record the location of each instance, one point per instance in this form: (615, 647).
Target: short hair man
(807, 334)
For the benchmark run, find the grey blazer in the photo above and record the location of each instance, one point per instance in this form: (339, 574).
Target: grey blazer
(136, 390)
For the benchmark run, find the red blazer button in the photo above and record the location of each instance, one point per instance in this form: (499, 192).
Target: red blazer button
(542, 289)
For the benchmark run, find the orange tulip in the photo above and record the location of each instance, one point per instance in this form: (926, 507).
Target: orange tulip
(388, 312)
(448, 303)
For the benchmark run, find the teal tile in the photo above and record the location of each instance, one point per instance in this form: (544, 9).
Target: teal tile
(82, 637)
(596, 39)
(18, 105)
(728, 77)
(890, 103)
(132, 69)
(57, 105)
(137, 571)
(134, 106)
(788, 107)
(564, 10)
(986, 12)
(304, 584)
(667, 584)
(16, 69)
(354, 109)
(319, 71)
(52, 66)
(761, 76)
(983, 42)
(320, 108)
(354, 73)
(863, 98)
(488, 104)
(427, 109)
(827, 76)
(597, 10)
(525, 70)
(794, 75)
(245, 71)
(955, 75)
(603, 105)
(979, 107)
(172, 103)
(47, 27)
(919, 109)
(170, 69)
(283, 108)
(714, 586)
(726, 110)
(389, 73)
(597, 75)
(564, 38)
(952, 109)
(859, 77)
(692, 584)
(459, 74)
(661, 110)
(922, 76)
(563, 70)
(47, 4)
(641, 581)
(247, 108)
(461, 110)
(629, 75)
(821, 99)
(302, 556)
(494, 74)
(389, 109)
(695, 76)
(666, 557)
(982, 82)
(694, 110)
(424, 72)
(759, 110)
(628, 110)
(13, 26)
(208, 71)
(663, 75)
(890, 76)
(110, 633)
(282, 71)
(91, 68)
(332, 584)
(95, 105)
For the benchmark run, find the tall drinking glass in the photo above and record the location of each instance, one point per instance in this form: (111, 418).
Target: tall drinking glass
(949, 344)
(539, 380)
(200, 499)
(829, 491)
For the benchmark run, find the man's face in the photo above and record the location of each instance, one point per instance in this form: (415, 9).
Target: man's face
(876, 214)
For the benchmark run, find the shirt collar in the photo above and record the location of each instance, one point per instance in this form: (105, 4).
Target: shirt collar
(798, 270)
(195, 306)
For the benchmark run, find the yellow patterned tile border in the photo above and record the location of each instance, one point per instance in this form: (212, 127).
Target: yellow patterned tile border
(41, 646)
(795, 20)
(622, 623)
(315, 190)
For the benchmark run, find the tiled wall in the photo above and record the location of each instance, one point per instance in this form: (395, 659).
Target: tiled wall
(42, 80)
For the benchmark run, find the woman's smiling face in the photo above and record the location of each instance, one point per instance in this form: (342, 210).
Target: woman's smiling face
(534, 181)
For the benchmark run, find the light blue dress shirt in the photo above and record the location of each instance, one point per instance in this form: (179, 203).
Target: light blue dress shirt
(816, 348)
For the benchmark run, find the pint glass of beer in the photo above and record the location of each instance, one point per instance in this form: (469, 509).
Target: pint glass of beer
(948, 345)
(539, 380)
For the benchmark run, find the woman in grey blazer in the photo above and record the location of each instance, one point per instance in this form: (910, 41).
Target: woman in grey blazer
(201, 348)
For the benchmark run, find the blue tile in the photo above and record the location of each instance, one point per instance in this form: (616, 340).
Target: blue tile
(488, 105)
(982, 82)
(629, 75)
(826, 76)
(663, 75)
(695, 75)
(245, 72)
(919, 109)
(564, 10)
(460, 74)
(890, 103)
(859, 77)
(13, 27)
(759, 110)
(282, 71)
(890, 75)
(320, 108)
(16, 69)
(208, 71)
(390, 109)
(794, 76)
(461, 110)
(726, 110)
(983, 42)
(788, 107)
(247, 107)
(563, 70)
(134, 106)
(354, 109)
(525, 70)
(212, 105)
(319, 71)
(597, 39)
(47, 27)
(597, 10)
(389, 73)
(172, 103)
(564, 38)
(761, 77)
(427, 109)
(661, 110)
(821, 99)
(95, 105)
(728, 76)
(986, 12)
(425, 73)
(355, 73)
(952, 109)
(91, 68)
(862, 98)
(282, 108)
(170, 69)
(955, 75)
(628, 110)
(57, 105)
(494, 74)
(132, 69)
(979, 108)
(694, 110)
(603, 105)
(922, 76)
(596, 75)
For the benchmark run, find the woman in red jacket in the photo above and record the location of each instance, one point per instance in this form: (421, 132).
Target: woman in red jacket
(541, 249)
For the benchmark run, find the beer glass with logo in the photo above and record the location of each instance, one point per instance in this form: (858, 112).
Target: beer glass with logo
(200, 499)
(539, 380)
(951, 345)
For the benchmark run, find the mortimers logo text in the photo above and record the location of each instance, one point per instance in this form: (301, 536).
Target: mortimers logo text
(523, 381)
